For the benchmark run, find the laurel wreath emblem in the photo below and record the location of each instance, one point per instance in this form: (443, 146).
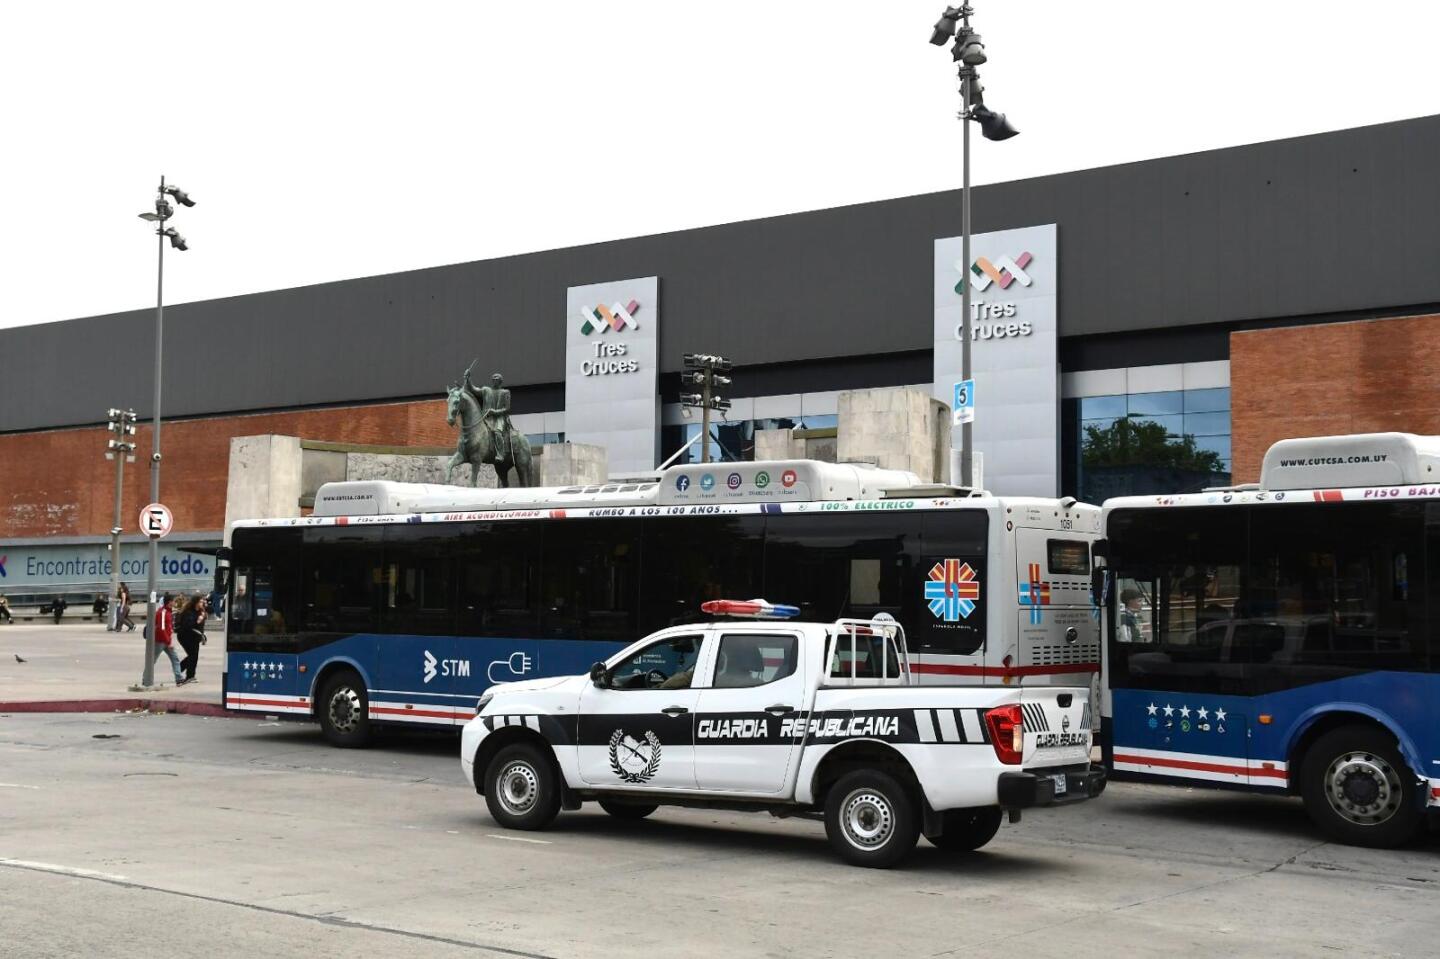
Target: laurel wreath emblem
(643, 775)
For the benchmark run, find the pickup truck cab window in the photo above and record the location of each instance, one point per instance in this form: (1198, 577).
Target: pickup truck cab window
(754, 659)
(667, 664)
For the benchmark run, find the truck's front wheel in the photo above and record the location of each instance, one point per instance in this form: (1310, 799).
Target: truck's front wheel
(522, 788)
(870, 819)
(968, 829)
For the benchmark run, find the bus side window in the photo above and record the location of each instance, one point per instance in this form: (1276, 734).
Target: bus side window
(499, 580)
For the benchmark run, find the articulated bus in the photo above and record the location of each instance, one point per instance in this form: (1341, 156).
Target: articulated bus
(1285, 637)
(402, 603)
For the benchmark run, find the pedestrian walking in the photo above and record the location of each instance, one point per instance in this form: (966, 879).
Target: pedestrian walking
(122, 613)
(190, 627)
(57, 608)
(5, 609)
(162, 627)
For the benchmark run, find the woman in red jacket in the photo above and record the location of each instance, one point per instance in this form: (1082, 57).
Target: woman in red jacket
(163, 626)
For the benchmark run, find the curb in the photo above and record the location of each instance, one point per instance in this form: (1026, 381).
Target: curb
(181, 706)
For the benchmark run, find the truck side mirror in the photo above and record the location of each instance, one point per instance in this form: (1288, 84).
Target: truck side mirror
(597, 675)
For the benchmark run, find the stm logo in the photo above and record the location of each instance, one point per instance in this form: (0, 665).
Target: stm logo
(1002, 272)
(607, 318)
(444, 667)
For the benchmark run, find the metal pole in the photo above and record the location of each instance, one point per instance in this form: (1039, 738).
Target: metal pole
(705, 413)
(115, 527)
(967, 75)
(154, 553)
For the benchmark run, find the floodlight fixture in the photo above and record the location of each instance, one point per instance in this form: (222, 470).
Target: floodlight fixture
(993, 126)
(176, 240)
(180, 195)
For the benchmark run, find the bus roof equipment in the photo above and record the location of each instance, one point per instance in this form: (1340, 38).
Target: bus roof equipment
(1364, 459)
(764, 481)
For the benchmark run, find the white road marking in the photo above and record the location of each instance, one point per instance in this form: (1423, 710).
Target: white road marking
(16, 786)
(62, 870)
(492, 835)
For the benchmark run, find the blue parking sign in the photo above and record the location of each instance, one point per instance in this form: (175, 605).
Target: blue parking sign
(964, 405)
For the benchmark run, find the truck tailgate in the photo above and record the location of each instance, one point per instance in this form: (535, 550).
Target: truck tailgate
(1057, 726)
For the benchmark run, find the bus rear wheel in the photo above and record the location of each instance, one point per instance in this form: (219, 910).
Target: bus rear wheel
(1358, 789)
(344, 710)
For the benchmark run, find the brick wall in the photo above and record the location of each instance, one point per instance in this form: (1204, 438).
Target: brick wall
(1362, 377)
(58, 482)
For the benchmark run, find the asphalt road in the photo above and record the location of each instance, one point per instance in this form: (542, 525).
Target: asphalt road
(140, 835)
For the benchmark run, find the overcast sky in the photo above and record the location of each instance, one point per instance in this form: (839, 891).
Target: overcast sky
(332, 140)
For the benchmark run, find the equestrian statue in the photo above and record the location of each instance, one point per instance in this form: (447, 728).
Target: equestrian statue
(486, 433)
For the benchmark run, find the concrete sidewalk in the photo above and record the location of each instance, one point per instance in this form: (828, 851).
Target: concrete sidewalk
(83, 668)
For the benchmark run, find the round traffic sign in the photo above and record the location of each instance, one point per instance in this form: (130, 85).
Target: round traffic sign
(156, 521)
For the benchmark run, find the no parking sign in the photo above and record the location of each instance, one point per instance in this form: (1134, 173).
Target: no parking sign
(156, 521)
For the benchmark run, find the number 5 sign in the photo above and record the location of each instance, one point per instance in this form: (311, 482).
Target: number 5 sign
(964, 402)
(156, 521)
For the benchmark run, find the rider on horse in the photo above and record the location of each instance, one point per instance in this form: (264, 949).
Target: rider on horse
(494, 403)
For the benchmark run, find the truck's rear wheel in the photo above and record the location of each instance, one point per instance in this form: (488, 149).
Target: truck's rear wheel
(344, 710)
(968, 829)
(625, 810)
(1358, 789)
(870, 819)
(522, 787)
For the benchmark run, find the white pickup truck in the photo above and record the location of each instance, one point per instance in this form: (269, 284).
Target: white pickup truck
(786, 717)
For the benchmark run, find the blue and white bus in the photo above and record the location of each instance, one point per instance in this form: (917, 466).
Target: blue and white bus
(402, 603)
(1285, 637)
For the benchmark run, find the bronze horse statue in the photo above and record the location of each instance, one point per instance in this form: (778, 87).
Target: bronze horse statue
(477, 443)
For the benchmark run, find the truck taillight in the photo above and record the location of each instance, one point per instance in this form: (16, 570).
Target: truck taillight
(1007, 732)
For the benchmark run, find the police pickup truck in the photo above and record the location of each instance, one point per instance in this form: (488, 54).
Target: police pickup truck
(791, 718)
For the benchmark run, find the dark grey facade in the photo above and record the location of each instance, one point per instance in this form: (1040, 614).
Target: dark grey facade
(1313, 226)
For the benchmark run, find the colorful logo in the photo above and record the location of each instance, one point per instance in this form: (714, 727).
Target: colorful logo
(1003, 270)
(606, 318)
(3, 559)
(762, 479)
(788, 479)
(733, 481)
(1035, 594)
(707, 482)
(682, 482)
(952, 590)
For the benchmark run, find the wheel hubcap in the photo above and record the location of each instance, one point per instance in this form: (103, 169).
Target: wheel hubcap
(345, 709)
(517, 786)
(1363, 788)
(867, 818)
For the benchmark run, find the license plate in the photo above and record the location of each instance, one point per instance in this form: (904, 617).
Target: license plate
(1060, 784)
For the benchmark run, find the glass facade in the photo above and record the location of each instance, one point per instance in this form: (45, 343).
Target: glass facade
(734, 440)
(1141, 443)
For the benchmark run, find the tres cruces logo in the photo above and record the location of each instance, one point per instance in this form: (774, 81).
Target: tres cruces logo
(615, 317)
(1002, 272)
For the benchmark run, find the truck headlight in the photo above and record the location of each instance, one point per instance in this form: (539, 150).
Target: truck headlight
(483, 702)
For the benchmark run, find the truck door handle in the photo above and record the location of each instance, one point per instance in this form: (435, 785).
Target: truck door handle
(675, 710)
(778, 709)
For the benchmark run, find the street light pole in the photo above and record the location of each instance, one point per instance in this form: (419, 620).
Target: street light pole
(969, 52)
(163, 212)
(967, 447)
(148, 676)
(121, 450)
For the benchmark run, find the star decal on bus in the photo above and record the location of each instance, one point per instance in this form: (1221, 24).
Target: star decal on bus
(952, 590)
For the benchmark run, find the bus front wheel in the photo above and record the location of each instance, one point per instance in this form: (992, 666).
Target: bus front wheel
(1358, 789)
(344, 710)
